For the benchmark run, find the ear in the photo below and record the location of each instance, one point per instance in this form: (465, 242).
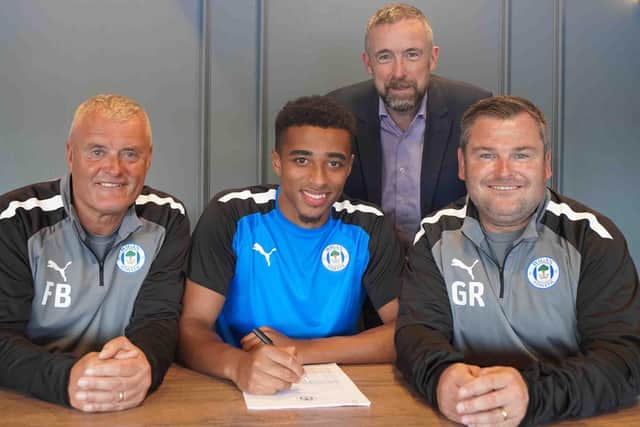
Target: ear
(435, 54)
(149, 157)
(353, 156)
(547, 165)
(69, 154)
(367, 62)
(461, 173)
(276, 162)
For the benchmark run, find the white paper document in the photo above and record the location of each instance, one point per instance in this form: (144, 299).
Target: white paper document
(328, 386)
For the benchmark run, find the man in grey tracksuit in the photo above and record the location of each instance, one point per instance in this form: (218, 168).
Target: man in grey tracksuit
(519, 305)
(92, 269)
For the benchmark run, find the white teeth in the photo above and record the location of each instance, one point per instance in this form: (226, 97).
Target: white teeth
(110, 185)
(504, 187)
(315, 196)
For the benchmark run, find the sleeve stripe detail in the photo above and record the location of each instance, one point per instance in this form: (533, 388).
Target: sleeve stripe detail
(346, 205)
(154, 198)
(50, 204)
(458, 213)
(260, 198)
(562, 208)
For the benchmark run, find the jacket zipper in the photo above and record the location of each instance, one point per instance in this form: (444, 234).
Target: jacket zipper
(100, 262)
(500, 269)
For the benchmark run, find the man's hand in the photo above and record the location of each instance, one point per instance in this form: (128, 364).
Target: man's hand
(498, 396)
(117, 378)
(266, 369)
(250, 340)
(448, 390)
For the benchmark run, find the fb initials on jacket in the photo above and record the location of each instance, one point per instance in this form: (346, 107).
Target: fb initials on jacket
(61, 292)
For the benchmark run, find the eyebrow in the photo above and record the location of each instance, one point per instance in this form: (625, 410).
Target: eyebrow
(382, 51)
(331, 154)
(522, 148)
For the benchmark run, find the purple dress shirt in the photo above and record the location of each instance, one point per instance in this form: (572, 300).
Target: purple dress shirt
(401, 164)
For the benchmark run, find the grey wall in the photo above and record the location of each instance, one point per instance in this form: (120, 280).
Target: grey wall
(53, 55)
(213, 75)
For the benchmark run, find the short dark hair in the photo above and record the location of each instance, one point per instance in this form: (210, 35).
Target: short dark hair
(316, 110)
(503, 107)
(396, 12)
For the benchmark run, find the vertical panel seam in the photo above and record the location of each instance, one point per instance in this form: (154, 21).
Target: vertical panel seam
(505, 44)
(260, 139)
(204, 164)
(558, 95)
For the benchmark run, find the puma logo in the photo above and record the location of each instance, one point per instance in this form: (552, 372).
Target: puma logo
(267, 255)
(469, 269)
(51, 264)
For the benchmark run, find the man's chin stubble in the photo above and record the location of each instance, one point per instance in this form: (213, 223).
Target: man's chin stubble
(309, 219)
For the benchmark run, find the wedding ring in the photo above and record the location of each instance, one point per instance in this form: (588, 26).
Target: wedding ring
(121, 398)
(504, 413)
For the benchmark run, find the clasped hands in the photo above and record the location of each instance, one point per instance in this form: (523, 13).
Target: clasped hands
(475, 396)
(266, 369)
(116, 378)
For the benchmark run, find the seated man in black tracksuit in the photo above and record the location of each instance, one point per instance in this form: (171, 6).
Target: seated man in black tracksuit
(519, 305)
(91, 269)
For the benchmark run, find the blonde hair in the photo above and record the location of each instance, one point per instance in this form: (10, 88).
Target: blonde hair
(115, 107)
(395, 12)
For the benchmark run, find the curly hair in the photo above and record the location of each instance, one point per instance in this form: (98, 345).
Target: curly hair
(319, 111)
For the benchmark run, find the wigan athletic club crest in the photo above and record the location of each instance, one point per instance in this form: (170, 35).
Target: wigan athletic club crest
(131, 258)
(543, 273)
(335, 258)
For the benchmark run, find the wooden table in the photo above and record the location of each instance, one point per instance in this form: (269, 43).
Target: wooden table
(187, 398)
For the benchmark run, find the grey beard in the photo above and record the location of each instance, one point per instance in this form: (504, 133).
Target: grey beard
(400, 105)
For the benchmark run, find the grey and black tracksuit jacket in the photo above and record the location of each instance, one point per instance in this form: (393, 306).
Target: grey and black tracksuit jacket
(58, 301)
(564, 309)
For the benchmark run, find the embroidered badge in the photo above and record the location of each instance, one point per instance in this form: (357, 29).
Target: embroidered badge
(335, 257)
(130, 258)
(543, 272)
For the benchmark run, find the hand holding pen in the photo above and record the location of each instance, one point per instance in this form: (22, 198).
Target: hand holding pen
(266, 340)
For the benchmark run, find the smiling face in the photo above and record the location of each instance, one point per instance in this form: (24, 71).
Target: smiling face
(313, 164)
(400, 57)
(108, 160)
(505, 169)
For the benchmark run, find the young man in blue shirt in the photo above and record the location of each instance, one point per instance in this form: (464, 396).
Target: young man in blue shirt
(295, 260)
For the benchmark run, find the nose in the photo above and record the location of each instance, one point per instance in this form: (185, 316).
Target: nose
(504, 167)
(399, 70)
(112, 165)
(318, 175)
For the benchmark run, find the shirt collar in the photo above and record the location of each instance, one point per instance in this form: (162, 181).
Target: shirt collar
(472, 228)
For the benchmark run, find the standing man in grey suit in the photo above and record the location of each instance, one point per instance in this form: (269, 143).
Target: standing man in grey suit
(408, 121)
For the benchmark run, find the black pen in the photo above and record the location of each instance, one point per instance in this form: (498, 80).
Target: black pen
(262, 336)
(266, 340)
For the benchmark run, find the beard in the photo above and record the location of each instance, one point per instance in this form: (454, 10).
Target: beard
(401, 104)
(309, 219)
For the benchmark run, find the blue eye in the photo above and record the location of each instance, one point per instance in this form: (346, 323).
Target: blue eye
(96, 153)
(413, 55)
(130, 155)
(384, 58)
